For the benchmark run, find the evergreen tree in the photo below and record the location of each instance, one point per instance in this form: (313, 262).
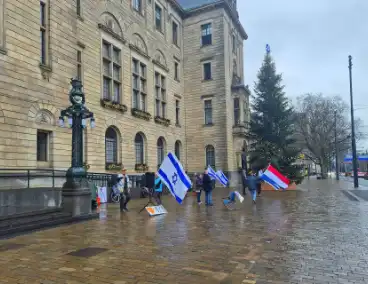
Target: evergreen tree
(271, 126)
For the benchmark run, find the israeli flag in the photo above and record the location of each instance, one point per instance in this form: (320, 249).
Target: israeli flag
(222, 178)
(174, 177)
(211, 173)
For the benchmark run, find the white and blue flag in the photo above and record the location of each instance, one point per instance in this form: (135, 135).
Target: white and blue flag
(222, 178)
(211, 173)
(174, 177)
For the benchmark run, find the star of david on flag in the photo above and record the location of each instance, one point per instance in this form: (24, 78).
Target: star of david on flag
(174, 177)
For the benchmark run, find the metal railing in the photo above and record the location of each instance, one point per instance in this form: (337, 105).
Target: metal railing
(50, 178)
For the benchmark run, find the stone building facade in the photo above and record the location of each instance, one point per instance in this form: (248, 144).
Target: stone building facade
(159, 75)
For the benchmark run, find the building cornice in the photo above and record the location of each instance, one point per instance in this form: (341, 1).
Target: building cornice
(216, 5)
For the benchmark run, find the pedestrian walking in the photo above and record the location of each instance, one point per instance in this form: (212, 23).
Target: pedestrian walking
(199, 186)
(124, 187)
(158, 189)
(252, 181)
(207, 187)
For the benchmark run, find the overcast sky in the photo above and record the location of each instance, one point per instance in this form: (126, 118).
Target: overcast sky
(310, 43)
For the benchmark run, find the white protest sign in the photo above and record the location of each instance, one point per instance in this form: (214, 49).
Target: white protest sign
(156, 210)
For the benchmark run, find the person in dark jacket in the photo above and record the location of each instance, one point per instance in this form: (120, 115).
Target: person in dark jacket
(124, 187)
(252, 182)
(207, 187)
(199, 186)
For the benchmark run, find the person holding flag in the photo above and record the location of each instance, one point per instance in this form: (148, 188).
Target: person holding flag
(207, 187)
(158, 189)
(172, 174)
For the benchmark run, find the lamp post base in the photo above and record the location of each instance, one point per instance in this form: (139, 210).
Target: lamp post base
(76, 193)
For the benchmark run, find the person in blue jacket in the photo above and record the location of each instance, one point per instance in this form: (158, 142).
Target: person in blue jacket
(158, 189)
(252, 183)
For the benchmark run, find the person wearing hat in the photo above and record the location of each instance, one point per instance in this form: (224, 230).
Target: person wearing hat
(124, 186)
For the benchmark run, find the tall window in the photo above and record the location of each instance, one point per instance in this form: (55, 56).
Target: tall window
(158, 18)
(236, 111)
(210, 156)
(139, 85)
(245, 113)
(43, 30)
(79, 65)
(177, 149)
(234, 43)
(208, 112)
(160, 93)
(78, 7)
(206, 34)
(207, 72)
(160, 150)
(137, 5)
(111, 146)
(111, 72)
(139, 149)
(177, 112)
(42, 146)
(175, 33)
(176, 71)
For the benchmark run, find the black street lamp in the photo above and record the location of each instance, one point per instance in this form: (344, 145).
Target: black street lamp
(76, 183)
(353, 142)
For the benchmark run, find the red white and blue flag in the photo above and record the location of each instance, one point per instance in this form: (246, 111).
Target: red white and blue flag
(274, 178)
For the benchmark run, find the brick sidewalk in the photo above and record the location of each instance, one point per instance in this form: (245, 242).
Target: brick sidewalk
(314, 236)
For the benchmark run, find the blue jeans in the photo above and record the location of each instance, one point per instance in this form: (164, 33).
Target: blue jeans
(208, 197)
(254, 194)
(199, 196)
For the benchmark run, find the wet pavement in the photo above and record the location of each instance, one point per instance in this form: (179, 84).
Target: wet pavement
(314, 235)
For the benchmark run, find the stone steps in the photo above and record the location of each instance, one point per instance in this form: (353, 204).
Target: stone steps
(21, 223)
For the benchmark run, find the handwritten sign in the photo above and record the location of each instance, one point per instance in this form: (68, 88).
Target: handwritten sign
(156, 210)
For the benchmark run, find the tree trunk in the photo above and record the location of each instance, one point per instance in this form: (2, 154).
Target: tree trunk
(324, 168)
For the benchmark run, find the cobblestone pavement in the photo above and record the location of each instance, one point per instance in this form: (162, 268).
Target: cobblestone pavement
(315, 235)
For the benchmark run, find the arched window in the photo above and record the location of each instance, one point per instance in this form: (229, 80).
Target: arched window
(210, 156)
(111, 146)
(177, 149)
(160, 150)
(139, 149)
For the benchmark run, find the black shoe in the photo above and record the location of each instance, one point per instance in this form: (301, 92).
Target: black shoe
(254, 202)
(126, 209)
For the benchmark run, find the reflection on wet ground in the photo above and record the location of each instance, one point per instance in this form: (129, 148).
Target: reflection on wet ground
(317, 235)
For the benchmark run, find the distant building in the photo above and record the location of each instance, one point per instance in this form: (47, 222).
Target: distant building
(159, 75)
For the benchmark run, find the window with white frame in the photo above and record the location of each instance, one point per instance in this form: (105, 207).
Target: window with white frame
(160, 95)
(176, 71)
(139, 73)
(137, 5)
(111, 62)
(210, 156)
(158, 18)
(236, 111)
(175, 33)
(206, 32)
(139, 148)
(208, 112)
(111, 146)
